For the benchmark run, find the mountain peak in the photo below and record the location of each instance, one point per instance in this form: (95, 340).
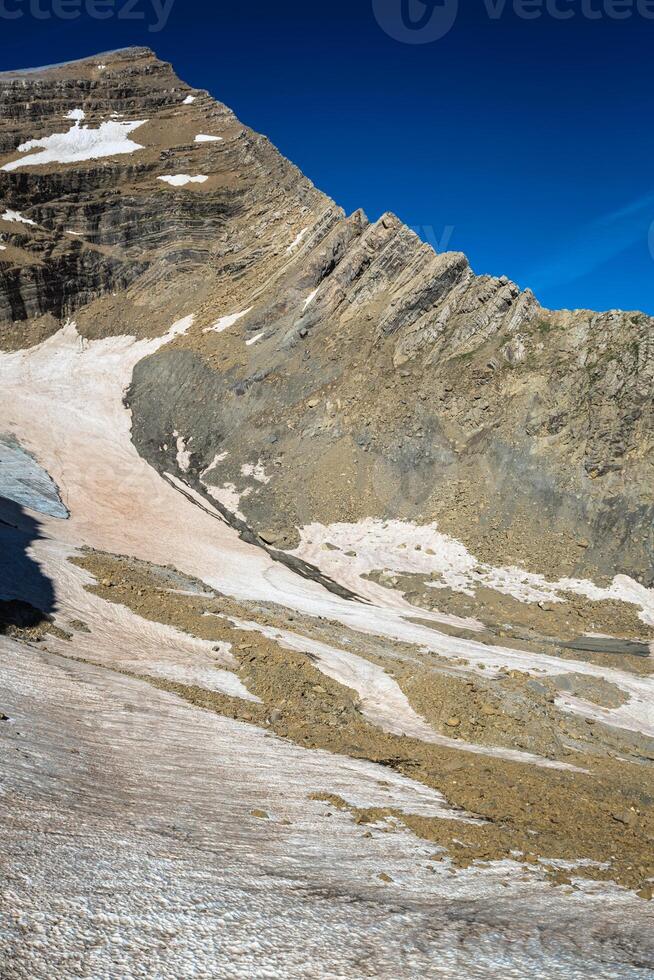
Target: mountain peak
(132, 200)
(300, 519)
(117, 57)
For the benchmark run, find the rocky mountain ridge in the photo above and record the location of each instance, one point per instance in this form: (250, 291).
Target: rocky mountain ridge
(282, 693)
(335, 368)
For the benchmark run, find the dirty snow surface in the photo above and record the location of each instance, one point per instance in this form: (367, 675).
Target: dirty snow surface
(141, 836)
(78, 143)
(131, 849)
(399, 546)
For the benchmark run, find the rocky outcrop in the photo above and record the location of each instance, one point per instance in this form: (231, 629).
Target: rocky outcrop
(336, 368)
(98, 225)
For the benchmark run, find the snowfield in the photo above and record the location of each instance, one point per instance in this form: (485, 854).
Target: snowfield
(142, 836)
(400, 546)
(64, 403)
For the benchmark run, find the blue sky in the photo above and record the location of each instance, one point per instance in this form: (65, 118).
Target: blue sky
(527, 143)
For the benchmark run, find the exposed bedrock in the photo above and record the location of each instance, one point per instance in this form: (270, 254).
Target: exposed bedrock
(501, 497)
(335, 368)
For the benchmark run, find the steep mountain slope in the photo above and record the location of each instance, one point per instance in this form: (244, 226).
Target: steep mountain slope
(326, 632)
(369, 376)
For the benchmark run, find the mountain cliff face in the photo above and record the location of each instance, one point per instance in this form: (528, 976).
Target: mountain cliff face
(275, 487)
(335, 369)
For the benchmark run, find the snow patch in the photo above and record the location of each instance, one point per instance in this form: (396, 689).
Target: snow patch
(79, 143)
(257, 472)
(77, 115)
(230, 497)
(403, 547)
(208, 678)
(219, 458)
(227, 321)
(181, 327)
(253, 340)
(180, 180)
(348, 552)
(203, 138)
(183, 455)
(310, 298)
(224, 649)
(189, 100)
(17, 218)
(294, 244)
(383, 702)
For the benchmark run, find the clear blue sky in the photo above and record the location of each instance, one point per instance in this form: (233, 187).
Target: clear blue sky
(533, 139)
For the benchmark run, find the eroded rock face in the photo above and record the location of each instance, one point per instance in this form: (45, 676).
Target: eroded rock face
(365, 375)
